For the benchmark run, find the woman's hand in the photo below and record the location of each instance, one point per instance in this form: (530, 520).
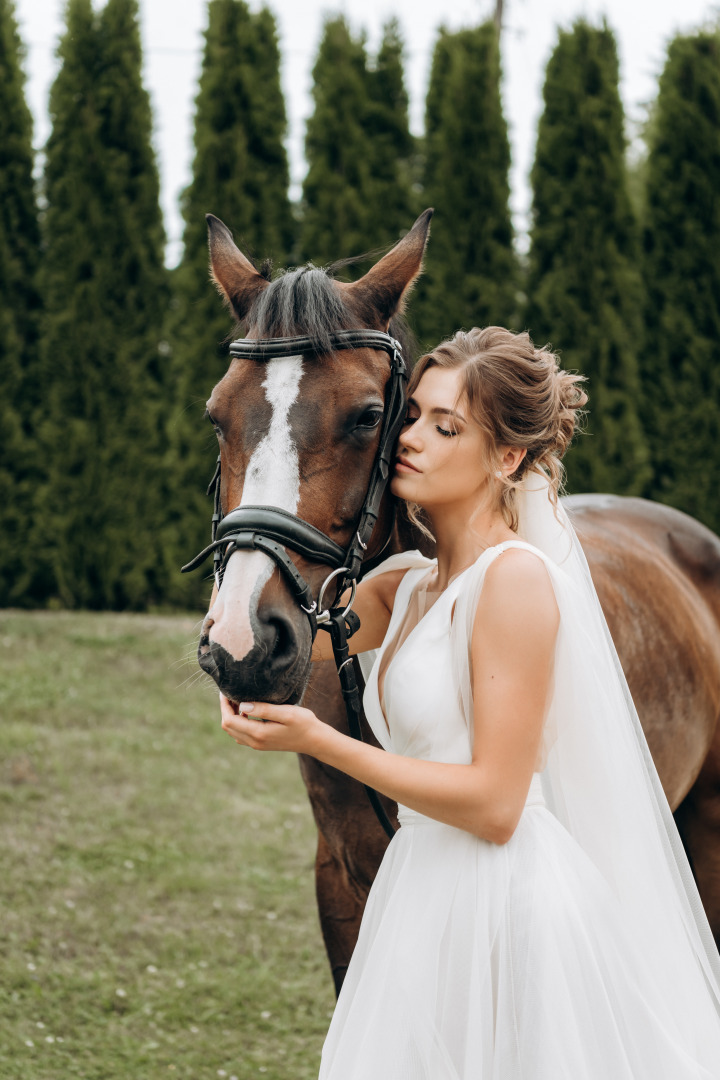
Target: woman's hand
(271, 727)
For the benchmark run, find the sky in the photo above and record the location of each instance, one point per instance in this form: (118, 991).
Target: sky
(172, 32)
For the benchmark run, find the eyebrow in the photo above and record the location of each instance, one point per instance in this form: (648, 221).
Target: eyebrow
(439, 412)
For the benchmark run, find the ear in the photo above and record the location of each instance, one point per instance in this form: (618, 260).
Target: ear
(237, 279)
(382, 292)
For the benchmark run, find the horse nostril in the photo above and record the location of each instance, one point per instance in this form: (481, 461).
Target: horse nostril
(284, 639)
(278, 637)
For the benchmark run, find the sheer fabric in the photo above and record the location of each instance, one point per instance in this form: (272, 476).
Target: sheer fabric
(579, 950)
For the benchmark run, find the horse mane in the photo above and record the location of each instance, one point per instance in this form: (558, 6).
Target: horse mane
(304, 302)
(301, 303)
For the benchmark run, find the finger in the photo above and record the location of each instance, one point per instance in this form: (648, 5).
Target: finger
(263, 710)
(246, 731)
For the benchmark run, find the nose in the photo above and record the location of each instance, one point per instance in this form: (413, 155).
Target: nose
(410, 437)
(268, 671)
(255, 641)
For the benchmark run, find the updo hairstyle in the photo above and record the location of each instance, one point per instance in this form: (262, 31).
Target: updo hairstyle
(520, 397)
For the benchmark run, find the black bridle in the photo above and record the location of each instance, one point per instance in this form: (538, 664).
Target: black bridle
(271, 530)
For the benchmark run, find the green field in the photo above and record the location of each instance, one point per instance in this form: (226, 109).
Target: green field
(157, 909)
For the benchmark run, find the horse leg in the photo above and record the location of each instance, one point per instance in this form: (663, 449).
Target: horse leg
(339, 909)
(698, 821)
(351, 842)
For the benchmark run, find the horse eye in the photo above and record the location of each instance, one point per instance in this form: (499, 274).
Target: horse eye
(207, 416)
(370, 418)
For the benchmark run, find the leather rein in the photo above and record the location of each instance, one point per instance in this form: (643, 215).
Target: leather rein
(272, 530)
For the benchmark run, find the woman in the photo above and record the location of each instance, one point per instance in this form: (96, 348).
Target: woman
(535, 916)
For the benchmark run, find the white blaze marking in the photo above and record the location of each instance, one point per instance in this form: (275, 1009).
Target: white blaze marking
(273, 475)
(272, 479)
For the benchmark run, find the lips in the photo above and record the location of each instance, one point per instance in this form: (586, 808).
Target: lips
(406, 464)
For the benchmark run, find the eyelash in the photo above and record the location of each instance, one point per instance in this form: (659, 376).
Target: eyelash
(442, 431)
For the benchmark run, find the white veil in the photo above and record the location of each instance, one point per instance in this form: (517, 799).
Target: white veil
(600, 782)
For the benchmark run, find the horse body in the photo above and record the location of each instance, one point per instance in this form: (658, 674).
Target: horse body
(301, 434)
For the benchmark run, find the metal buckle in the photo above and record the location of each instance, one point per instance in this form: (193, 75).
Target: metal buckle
(324, 616)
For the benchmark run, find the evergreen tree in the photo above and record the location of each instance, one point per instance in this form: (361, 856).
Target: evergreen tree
(393, 203)
(471, 275)
(19, 375)
(337, 187)
(104, 288)
(358, 192)
(584, 286)
(240, 174)
(681, 259)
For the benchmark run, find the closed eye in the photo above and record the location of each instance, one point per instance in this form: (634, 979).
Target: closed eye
(440, 430)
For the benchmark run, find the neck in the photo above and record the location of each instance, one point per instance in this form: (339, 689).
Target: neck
(462, 532)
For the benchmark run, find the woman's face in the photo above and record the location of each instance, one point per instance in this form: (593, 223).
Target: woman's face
(439, 451)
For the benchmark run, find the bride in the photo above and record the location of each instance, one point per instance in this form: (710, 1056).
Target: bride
(535, 916)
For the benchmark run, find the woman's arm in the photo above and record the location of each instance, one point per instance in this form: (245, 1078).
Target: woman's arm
(513, 648)
(373, 604)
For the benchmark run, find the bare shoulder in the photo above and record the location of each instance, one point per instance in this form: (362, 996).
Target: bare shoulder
(518, 594)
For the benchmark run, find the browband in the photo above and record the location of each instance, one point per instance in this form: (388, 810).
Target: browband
(274, 348)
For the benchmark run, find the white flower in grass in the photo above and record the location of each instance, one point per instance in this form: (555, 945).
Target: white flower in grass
(151, 969)
(31, 967)
(49, 1038)
(70, 903)
(121, 993)
(29, 1042)
(179, 983)
(194, 1030)
(266, 1014)
(221, 1072)
(129, 864)
(272, 915)
(39, 1024)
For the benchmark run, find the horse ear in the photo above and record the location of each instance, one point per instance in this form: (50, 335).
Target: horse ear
(237, 279)
(381, 293)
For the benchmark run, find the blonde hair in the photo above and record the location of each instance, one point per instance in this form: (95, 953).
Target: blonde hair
(519, 396)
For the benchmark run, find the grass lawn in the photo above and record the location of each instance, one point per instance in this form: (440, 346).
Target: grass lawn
(157, 907)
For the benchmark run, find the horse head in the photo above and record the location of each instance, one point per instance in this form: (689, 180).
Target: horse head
(298, 433)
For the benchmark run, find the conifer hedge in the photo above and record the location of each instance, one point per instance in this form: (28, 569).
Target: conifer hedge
(471, 271)
(357, 194)
(680, 363)
(20, 391)
(584, 291)
(104, 288)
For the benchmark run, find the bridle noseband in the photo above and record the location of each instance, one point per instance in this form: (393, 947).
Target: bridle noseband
(271, 530)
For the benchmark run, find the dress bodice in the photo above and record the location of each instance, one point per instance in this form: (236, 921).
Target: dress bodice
(420, 714)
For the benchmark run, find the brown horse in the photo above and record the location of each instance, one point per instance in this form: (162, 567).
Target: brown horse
(300, 433)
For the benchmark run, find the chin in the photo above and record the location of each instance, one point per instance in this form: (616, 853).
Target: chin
(399, 486)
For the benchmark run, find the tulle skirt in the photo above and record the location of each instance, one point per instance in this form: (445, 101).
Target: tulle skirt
(478, 961)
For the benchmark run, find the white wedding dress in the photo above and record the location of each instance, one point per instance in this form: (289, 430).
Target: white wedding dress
(478, 961)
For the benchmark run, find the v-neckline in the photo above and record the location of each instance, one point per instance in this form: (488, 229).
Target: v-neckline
(385, 727)
(417, 625)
